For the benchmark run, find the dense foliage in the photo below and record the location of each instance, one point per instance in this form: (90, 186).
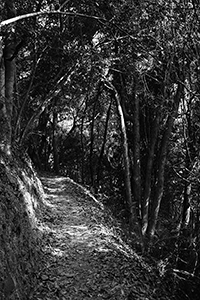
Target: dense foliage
(107, 93)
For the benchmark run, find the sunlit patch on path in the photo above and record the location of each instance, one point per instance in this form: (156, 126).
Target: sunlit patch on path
(84, 256)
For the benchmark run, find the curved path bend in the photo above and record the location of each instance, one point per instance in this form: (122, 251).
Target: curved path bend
(84, 256)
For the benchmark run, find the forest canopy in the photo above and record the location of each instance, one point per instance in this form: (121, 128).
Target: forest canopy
(107, 93)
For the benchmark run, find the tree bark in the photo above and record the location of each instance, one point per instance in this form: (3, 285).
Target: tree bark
(7, 79)
(148, 173)
(55, 140)
(82, 147)
(127, 174)
(161, 167)
(4, 123)
(103, 147)
(91, 145)
(136, 158)
(186, 205)
(92, 135)
(25, 102)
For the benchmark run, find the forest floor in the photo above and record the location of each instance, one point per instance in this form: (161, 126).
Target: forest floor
(84, 256)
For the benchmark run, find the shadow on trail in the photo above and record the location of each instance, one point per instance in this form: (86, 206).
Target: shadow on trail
(84, 255)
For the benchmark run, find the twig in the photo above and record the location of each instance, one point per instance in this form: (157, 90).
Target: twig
(176, 271)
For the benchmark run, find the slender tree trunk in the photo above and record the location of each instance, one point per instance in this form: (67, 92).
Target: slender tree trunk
(133, 222)
(188, 132)
(92, 136)
(103, 146)
(136, 158)
(148, 173)
(127, 174)
(4, 125)
(134, 118)
(92, 144)
(47, 151)
(7, 79)
(9, 83)
(55, 140)
(17, 129)
(185, 236)
(82, 150)
(161, 167)
(33, 152)
(83, 179)
(160, 181)
(44, 104)
(186, 205)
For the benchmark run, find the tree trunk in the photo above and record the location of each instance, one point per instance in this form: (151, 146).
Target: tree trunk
(103, 147)
(148, 173)
(4, 124)
(92, 136)
(186, 205)
(126, 160)
(82, 149)
(161, 166)
(55, 140)
(7, 79)
(9, 82)
(44, 103)
(160, 181)
(17, 129)
(136, 158)
(91, 145)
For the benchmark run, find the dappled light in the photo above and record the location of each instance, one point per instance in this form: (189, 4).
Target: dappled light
(84, 254)
(83, 228)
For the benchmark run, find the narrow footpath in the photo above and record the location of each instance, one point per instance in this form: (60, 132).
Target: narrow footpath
(84, 256)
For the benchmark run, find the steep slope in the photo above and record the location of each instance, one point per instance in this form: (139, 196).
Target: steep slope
(20, 197)
(84, 256)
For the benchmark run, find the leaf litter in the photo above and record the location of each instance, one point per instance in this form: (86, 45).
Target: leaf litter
(84, 255)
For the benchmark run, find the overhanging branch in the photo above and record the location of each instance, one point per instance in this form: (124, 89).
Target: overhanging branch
(41, 13)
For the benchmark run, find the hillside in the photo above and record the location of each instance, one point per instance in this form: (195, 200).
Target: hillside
(21, 195)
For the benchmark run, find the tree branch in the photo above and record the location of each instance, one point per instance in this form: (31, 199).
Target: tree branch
(41, 13)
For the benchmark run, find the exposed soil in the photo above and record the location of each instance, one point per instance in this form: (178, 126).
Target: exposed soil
(84, 256)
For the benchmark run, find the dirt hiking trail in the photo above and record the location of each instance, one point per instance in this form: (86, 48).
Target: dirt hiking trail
(84, 256)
